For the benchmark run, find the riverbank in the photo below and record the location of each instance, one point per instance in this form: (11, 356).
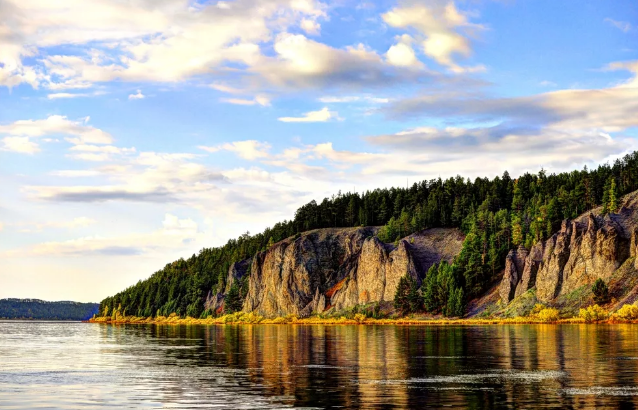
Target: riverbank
(358, 319)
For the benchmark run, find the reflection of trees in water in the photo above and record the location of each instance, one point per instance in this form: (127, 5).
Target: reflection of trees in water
(390, 366)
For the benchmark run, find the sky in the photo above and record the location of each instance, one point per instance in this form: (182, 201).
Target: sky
(133, 133)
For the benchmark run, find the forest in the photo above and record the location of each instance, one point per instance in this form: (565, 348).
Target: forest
(496, 215)
(43, 310)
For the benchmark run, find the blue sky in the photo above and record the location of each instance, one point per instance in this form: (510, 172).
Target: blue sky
(134, 133)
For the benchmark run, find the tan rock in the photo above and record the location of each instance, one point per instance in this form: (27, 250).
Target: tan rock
(340, 268)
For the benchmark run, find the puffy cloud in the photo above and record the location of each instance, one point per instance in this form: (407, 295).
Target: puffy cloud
(300, 62)
(20, 133)
(439, 24)
(322, 115)
(310, 27)
(137, 96)
(402, 54)
(20, 144)
(79, 132)
(141, 40)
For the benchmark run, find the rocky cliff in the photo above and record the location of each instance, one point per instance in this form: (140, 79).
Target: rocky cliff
(589, 247)
(339, 268)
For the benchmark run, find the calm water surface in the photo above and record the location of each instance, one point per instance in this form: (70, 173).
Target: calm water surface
(80, 365)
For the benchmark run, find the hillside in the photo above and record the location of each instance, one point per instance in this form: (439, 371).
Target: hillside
(560, 271)
(352, 249)
(43, 310)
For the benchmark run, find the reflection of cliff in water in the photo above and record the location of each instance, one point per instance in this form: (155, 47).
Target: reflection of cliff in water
(574, 366)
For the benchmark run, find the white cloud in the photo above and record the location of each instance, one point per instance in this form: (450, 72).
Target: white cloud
(249, 150)
(75, 173)
(310, 27)
(56, 96)
(97, 153)
(137, 96)
(322, 115)
(79, 132)
(174, 233)
(623, 26)
(606, 110)
(20, 144)
(141, 40)
(79, 222)
(262, 100)
(226, 88)
(353, 98)
(402, 54)
(439, 24)
(20, 133)
(300, 62)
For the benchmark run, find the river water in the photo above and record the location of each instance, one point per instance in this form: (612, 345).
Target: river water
(81, 365)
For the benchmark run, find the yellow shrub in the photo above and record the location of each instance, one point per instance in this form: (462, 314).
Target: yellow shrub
(279, 320)
(536, 309)
(549, 315)
(360, 318)
(593, 314)
(627, 312)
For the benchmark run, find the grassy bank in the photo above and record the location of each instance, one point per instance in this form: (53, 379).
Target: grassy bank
(593, 314)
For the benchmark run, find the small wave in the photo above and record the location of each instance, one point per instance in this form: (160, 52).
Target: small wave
(453, 357)
(602, 391)
(516, 376)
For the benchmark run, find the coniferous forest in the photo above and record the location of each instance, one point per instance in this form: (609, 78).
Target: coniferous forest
(495, 214)
(43, 310)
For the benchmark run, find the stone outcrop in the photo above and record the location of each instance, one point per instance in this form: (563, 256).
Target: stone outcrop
(583, 250)
(514, 268)
(340, 268)
(215, 300)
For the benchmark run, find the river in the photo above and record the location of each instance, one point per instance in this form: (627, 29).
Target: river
(82, 366)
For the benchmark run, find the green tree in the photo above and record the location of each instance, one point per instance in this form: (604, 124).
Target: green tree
(456, 305)
(613, 196)
(233, 301)
(406, 298)
(605, 200)
(600, 291)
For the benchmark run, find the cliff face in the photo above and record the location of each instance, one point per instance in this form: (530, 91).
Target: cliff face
(585, 249)
(215, 301)
(340, 268)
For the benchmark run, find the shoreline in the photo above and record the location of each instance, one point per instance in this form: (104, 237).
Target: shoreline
(251, 319)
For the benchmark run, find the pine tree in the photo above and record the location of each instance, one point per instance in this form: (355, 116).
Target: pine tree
(613, 197)
(406, 298)
(428, 288)
(600, 291)
(455, 306)
(233, 302)
(605, 209)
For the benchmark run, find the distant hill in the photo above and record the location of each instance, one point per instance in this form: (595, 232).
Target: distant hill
(43, 310)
